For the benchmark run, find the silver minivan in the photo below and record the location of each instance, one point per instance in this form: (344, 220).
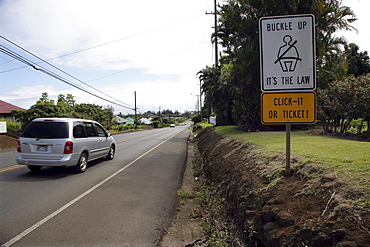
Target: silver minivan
(63, 142)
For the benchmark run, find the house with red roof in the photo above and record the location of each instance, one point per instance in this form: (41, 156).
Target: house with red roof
(6, 108)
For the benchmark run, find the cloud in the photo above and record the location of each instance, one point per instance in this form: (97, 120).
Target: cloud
(152, 47)
(146, 32)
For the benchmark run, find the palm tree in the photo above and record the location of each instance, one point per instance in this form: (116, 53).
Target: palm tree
(237, 83)
(330, 19)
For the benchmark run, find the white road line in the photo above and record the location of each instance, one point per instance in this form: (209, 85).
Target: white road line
(11, 152)
(47, 218)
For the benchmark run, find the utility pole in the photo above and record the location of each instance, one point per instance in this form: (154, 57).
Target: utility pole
(200, 100)
(197, 104)
(215, 14)
(216, 45)
(135, 111)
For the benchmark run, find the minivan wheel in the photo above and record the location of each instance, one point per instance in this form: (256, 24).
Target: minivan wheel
(81, 164)
(34, 168)
(111, 153)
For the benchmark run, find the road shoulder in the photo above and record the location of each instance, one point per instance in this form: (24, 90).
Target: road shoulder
(185, 229)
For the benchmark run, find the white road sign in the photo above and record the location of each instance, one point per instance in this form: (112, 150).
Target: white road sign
(287, 53)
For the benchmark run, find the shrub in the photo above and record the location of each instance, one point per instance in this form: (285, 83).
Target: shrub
(11, 126)
(196, 119)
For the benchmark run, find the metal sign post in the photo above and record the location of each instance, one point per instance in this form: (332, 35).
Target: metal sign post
(287, 151)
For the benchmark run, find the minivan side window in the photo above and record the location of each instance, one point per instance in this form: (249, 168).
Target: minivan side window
(78, 130)
(101, 131)
(90, 129)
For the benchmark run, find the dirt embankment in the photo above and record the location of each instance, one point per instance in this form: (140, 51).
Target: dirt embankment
(313, 207)
(7, 142)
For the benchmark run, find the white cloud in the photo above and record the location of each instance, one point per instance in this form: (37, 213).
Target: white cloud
(155, 48)
(165, 41)
(148, 31)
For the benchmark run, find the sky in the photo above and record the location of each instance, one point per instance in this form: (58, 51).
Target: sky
(114, 48)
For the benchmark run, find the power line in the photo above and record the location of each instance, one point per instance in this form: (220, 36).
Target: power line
(54, 75)
(108, 43)
(136, 66)
(58, 68)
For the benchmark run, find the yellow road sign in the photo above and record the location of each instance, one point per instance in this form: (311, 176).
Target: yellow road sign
(288, 108)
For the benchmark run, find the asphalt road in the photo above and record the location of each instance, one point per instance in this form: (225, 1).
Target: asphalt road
(128, 201)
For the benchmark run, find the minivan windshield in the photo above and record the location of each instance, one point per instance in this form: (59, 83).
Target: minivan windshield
(49, 130)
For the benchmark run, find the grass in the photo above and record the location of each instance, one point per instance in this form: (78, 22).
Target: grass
(350, 158)
(183, 194)
(205, 125)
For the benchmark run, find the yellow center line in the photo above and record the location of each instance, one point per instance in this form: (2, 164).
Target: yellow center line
(10, 168)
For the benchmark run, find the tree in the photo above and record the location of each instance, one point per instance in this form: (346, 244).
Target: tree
(65, 107)
(218, 94)
(233, 88)
(96, 112)
(66, 104)
(44, 100)
(330, 18)
(44, 107)
(343, 101)
(358, 62)
(196, 119)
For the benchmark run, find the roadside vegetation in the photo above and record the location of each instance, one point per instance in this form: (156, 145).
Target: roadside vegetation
(11, 126)
(66, 106)
(350, 158)
(231, 88)
(331, 164)
(242, 177)
(204, 125)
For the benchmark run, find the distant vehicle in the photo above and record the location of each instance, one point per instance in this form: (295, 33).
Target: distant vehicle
(172, 126)
(64, 142)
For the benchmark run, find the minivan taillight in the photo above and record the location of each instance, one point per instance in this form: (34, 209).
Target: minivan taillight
(19, 146)
(68, 148)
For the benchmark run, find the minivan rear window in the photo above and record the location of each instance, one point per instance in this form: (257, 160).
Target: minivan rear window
(51, 130)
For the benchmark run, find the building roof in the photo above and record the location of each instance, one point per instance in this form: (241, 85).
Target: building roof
(145, 121)
(6, 107)
(120, 120)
